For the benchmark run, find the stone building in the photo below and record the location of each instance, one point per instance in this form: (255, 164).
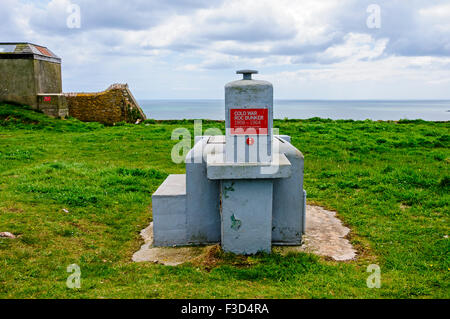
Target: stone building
(31, 75)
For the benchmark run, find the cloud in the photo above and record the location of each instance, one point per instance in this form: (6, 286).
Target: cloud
(308, 39)
(301, 29)
(113, 14)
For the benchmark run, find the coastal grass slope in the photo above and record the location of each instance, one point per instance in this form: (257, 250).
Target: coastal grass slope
(80, 193)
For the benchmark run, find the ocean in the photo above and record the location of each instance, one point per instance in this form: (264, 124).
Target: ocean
(429, 110)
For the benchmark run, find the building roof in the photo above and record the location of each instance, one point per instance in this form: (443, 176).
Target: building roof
(25, 50)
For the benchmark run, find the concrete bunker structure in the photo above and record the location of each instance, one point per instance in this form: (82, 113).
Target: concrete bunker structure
(31, 75)
(243, 190)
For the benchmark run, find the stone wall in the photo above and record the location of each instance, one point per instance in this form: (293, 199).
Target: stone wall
(115, 104)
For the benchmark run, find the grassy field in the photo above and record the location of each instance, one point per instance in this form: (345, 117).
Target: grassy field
(388, 181)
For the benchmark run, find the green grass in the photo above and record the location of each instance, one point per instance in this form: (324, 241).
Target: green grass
(388, 181)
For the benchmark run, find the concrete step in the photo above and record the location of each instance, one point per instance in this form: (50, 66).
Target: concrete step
(169, 212)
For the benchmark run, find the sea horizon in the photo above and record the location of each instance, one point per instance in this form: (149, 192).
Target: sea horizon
(346, 109)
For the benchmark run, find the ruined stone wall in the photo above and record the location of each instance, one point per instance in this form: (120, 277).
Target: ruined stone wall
(116, 104)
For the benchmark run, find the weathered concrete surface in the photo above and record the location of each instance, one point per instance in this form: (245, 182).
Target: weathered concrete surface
(246, 213)
(325, 236)
(53, 104)
(48, 76)
(18, 83)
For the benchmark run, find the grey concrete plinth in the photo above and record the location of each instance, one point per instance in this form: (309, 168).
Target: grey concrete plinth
(246, 213)
(244, 189)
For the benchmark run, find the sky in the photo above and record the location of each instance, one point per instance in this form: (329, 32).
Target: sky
(189, 49)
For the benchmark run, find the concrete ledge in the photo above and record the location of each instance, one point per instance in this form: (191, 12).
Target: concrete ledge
(217, 168)
(175, 184)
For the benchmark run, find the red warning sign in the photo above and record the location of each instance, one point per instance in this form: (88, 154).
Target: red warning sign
(249, 121)
(47, 98)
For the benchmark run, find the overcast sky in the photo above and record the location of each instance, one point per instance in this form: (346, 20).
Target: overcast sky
(309, 49)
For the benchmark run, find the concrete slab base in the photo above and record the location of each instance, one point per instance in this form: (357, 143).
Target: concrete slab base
(325, 236)
(169, 256)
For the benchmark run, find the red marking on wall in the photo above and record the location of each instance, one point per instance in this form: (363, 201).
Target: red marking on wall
(250, 141)
(47, 98)
(249, 121)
